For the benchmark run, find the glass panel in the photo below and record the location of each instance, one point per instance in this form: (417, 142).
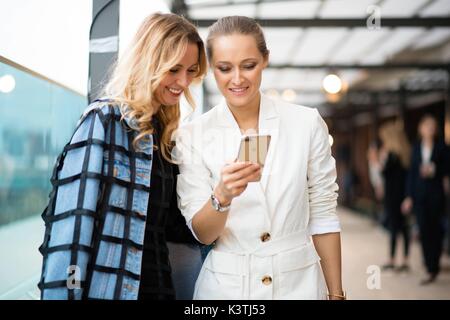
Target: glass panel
(37, 118)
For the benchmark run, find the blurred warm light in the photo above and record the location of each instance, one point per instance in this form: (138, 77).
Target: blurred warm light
(344, 86)
(332, 84)
(272, 93)
(333, 98)
(7, 83)
(330, 140)
(447, 129)
(289, 95)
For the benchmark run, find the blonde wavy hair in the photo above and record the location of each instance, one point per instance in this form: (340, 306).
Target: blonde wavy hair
(159, 44)
(395, 140)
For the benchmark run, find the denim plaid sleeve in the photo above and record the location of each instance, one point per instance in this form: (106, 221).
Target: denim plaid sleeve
(70, 214)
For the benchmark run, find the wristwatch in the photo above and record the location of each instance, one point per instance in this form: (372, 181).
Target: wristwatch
(216, 204)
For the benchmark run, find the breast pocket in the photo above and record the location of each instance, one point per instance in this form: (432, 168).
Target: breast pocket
(122, 169)
(143, 171)
(120, 191)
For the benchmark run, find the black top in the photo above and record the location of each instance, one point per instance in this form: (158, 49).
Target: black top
(164, 223)
(428, 190)
(394, 174)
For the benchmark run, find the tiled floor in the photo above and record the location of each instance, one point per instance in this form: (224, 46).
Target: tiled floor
(365, 249)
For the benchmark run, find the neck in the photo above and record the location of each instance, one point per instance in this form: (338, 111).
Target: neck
(155, 107)
(427, 141)
(247, 117)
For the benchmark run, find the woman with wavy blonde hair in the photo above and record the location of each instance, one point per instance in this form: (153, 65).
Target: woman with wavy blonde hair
(113, 205)
(141, 81)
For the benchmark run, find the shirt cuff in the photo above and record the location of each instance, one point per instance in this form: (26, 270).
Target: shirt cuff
(331, 226)
(189, 224)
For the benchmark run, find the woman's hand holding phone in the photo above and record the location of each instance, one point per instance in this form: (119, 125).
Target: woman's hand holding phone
(234, 180)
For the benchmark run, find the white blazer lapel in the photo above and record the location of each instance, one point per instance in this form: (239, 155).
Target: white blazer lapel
(230, 130)
(269, 122)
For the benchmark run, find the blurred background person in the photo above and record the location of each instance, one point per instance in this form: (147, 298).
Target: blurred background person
(376, 181)
(394, 159)
(425, 193)
(375, 176)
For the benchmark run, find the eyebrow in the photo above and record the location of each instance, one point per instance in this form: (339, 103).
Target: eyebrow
(180, 65)
(243, 61)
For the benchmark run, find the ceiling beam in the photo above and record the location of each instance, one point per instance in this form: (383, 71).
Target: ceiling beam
(343, 22)
(179, 7)
(426, 66)
(212, 4)
(356, 92)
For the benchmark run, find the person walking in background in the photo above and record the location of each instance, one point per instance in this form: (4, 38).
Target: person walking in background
(425, 193)
(375, 176)
(376, 180)
(394, 159)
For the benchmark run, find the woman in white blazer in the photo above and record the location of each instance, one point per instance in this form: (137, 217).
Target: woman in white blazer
(260, 219)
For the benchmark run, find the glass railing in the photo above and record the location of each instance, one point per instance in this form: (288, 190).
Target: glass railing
(37, 117)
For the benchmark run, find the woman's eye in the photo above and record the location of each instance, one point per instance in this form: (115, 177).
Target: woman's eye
(193, 71)
(174, 70)
(249, 67)
(224, 69)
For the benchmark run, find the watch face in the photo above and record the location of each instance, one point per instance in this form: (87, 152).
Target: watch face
(215, 203)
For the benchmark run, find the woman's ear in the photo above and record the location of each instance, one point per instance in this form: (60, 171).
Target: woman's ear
(266, 59)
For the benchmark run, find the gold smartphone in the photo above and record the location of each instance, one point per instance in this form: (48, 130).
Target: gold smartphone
(254, 148)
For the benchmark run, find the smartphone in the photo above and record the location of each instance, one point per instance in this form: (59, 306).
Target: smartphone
(254, 149)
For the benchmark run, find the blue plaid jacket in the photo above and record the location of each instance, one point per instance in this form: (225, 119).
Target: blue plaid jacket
(96, 217)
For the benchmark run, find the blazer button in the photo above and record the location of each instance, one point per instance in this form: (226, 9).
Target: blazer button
(267, 280)
(265, 237)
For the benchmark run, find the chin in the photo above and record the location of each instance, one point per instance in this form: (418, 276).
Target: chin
(239, 102)
(171, 102)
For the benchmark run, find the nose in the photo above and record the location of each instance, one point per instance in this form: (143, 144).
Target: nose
(183, 80)
(236, 78)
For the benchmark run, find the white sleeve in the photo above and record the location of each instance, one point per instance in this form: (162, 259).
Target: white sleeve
(322, 186)
(194, 183)
(189, 224)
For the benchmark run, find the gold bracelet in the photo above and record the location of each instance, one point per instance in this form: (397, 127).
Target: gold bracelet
(342, 296)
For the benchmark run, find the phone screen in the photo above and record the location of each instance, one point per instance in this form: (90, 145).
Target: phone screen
(254, 149)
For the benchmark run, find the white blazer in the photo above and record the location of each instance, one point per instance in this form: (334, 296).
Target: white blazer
(265, 250)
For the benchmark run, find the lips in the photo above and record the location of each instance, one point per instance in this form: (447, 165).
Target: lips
(238, 91)
(175, 91)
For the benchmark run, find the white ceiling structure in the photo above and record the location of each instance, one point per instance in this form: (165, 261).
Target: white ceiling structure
(302, 45)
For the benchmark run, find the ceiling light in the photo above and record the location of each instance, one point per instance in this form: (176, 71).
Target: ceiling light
(289, 95)
(273, 93)
(332, 84)
(7, 83)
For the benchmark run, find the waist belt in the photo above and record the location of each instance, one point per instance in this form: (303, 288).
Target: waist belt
(240, 263)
